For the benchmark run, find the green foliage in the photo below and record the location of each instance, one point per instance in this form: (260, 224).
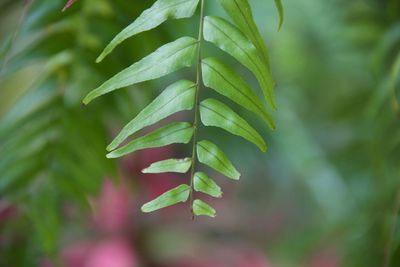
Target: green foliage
(177, 97)
(151, 18)
(210, 155)
(167, 59)
(176, 132)
(172, 197)
(204, 184)
(170, 165)
(202, 208)
(242, 41)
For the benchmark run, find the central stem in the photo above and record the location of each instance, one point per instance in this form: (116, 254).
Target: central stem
(199, 83)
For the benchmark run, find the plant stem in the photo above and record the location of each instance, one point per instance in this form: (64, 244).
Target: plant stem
(199, 83)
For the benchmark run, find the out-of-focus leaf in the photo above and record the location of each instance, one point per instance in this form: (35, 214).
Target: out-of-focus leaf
(216, 113)
(161, 11)
(177, 97)
(176, 132)
(165, 60)
(43, 211)
(169, 165)
(202, 208)
(169, 198)
(203, 183)
(69, 3)
(241, 14)
(231, 40)
(209, 154)
(225, 81)
(279, 6)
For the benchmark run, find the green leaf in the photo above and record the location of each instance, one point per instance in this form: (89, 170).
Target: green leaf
(176, 132)
(169, 198)
(203, 183)
(231, 40)
(202, 208)
(210, 155)
(241, 14)
(161, 11)
(215, 113)
(279, 6)
(169, 165)
(225, 81)
(165, 60)
(176, 97)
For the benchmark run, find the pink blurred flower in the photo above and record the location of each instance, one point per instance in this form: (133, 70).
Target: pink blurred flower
(112, 208)
(111, 253)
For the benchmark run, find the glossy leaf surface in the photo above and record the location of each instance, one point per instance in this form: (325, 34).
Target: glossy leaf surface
(215, 113)
(209, 154)
(158, 13)
(204, 184)
(165, 60)
(241, 13)
(222, 79)
(169, 198)
(177, 97)
(169, 165)
(202, 208)
(231, 40)
(176, 132)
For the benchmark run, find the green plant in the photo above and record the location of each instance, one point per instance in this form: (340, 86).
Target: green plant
(242, 40)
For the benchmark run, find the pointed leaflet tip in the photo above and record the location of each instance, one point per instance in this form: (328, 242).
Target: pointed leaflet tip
(68, 4)
(158, 13)
(99, 59)
(279, 6)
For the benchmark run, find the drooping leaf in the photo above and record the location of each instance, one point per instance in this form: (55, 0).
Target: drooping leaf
(169, 165)
(204, 184)
(176, 97)
(216, 113)
(173, 133)
(231, 40)
(202, 208)
(241, 14)
(159, 12)
(281, 13)
(165, 60)
(225, 81)
(169, 198)
(209, 154)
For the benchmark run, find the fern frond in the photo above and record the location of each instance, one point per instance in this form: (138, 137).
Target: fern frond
(242, 41)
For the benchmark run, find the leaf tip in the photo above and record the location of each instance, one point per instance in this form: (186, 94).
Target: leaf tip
(145, 209)
(86, 100)
(111, 147)
(111, 155)
(263, 146)
(100, 58)
(236, 175)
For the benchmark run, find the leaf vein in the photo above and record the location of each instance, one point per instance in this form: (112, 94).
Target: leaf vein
(238, 125)
(233, 85)
(244, 51)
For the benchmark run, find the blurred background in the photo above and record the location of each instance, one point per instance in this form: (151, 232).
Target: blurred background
(326, 194)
